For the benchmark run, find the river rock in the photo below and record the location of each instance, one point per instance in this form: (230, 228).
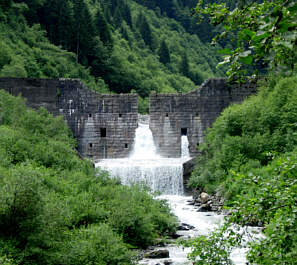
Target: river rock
(204, 208)
(204, 197)
(197, 204)
(191, 202)
(185, 227)
(175, 235)
(157, 254)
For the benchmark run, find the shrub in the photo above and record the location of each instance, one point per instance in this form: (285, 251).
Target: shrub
(55, 208)
(262, 125)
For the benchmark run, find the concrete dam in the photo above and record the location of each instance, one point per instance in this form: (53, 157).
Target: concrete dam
(104, 125)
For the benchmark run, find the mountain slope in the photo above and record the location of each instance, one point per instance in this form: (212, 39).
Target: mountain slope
(118, 41)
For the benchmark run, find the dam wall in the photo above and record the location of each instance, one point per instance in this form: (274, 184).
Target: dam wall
(104, 124)
(173, 115)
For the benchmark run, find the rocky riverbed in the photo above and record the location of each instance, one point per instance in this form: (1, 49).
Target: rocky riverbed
(194, 221)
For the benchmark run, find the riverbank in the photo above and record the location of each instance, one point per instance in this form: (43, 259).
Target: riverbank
(193, 223)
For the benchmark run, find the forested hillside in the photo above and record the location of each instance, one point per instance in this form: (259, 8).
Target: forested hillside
(112, 45)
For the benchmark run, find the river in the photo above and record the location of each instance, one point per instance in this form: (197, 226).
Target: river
(165, 175)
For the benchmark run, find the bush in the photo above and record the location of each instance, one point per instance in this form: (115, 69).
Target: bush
(250, 154)
(95, 244)
(55, 208)
(262, 125)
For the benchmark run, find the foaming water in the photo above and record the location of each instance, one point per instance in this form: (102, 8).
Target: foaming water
(203, 223)
(145, 166)
(185, 147)
(163, 175)
(144, 147)
(166, 176)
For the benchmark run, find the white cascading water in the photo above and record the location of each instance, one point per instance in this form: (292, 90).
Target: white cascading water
(145, 166)
(166, 176)
(185, 147)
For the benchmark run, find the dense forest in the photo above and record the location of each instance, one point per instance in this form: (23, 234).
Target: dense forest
(116, 46)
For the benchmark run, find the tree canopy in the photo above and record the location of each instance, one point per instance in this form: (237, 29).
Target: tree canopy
(264, 33)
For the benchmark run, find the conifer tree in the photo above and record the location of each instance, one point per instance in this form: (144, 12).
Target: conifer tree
(85, 31)
(164, 54)
(146, 32)
(103, 29)
(184, 65)
(5, 5)
(126, 14)
(57, 16)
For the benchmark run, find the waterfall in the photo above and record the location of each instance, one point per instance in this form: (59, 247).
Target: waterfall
(185, 147)
(166, 176)
(145, 166)
(144, 147)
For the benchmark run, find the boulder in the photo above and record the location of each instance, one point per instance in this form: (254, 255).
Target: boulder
(204, 197)
(204, 208)
(191, 202)
(175, 236)
(185, 227)
(157, 254)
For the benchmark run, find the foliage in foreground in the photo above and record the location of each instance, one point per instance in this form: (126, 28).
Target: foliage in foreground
(55, 208)
(248, 135)
(249, 156)
(268, 198)
(264, 33)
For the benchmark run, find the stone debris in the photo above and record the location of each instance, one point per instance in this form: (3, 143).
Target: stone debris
(157, 254)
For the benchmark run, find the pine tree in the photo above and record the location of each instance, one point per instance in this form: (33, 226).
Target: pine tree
(5, 5)
(146, 32)
(184, 65)
(65, 30)
(117, 16)
(85, 31)
(164, 54)
(103, 29)
(126, 14)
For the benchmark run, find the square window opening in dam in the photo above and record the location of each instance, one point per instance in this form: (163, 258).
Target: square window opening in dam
(103, 132)
(184, 131)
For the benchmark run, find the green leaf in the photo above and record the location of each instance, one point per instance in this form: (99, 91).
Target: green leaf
(287, 44)
(247, 60)
(258, 38)
(225, 51)
(293, 8)
(248, 34)
(245, 53)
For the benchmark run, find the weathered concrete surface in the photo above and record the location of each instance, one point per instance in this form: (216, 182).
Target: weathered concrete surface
(174, 114)
(104, 125)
